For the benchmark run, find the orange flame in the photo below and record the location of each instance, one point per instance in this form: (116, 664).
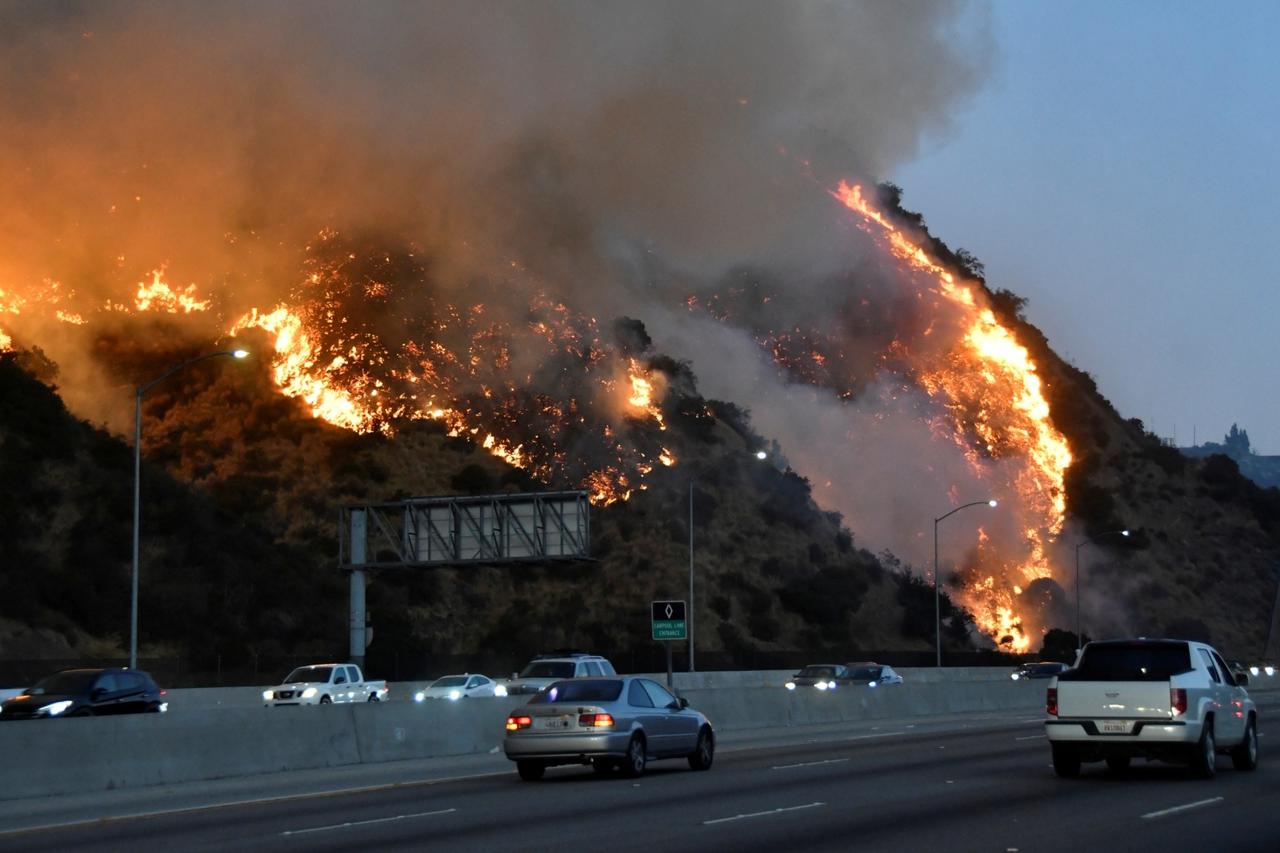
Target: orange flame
(158, 296)
(993, 392)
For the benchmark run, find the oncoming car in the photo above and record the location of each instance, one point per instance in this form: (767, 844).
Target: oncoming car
(873, 675)
(87, 693)
(613, 724)
(822, 676)
(1038, 669)
(457, 687)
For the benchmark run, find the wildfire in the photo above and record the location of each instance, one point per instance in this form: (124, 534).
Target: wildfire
(158, 296)
(991, 391)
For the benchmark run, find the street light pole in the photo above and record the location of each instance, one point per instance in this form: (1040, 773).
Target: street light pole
(1079, 636)
(137, 485)
(937, 597)
(689, 614)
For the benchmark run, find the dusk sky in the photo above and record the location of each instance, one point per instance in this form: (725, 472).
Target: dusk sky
(1120, 169)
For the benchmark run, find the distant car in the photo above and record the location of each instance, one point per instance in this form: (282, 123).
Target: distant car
(544, 670)
(1038, 669)
(821, 676)
(324, 683)
(873, 674)
(460, 687)
(1267, 669)
(614, 724)
(87, 693)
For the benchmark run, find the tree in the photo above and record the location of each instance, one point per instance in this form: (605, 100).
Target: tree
(1237, 442)
(1060, 645)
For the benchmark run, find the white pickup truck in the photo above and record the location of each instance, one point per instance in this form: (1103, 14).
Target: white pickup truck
(1166, 700)
(323, 683)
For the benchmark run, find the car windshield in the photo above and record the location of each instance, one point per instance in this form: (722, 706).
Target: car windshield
(303, 674)
(1131, 662)
(1046, 668)
(548, 669)
(865, 673)
(450, 681)
(579, 691)
(817, 672)
(64, 683)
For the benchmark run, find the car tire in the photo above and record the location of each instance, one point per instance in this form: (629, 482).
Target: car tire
(705, 751)
(373, 697)
(530, 771)
(1118, 764)
(325, 700)
(1245, 756)
(1204, 755)
(1066, 761)
(634, 761)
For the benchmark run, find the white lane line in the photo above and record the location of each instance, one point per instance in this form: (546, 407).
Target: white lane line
(1197, 804)
(808, 764)
(866, 737)
(366, 822)
(763, 814)
(1030, 737)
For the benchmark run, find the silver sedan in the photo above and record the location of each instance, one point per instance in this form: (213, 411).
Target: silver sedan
(613, 724)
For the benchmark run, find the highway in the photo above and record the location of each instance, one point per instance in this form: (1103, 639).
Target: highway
(977, 782)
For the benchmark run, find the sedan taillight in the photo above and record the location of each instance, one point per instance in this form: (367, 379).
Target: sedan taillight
(516, 723)
(1177, 701)
(596, 721)
(1051, 702)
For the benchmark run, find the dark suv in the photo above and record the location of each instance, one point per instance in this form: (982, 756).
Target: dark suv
(86, 693)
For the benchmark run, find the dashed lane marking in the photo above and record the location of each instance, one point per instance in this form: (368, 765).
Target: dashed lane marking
(1187, 807)
(768, 813)
(808, 764)
(366, 822)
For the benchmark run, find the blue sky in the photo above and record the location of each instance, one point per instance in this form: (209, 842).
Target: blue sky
(1121, 170)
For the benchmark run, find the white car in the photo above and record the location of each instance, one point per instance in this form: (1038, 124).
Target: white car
(325, 683)
(455, 687)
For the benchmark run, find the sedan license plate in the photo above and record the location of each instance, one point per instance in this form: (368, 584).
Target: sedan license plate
(1115, 727)
(557, 722)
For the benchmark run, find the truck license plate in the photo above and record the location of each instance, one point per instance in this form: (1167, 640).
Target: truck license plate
(1115, 727)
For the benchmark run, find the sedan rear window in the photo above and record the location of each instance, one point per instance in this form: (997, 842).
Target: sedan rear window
(579, 691)
(1130, 662)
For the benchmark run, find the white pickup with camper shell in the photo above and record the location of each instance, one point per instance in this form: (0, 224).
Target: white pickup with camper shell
(325, 683)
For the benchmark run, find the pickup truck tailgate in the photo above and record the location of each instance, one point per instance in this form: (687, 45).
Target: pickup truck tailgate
(1130, 699)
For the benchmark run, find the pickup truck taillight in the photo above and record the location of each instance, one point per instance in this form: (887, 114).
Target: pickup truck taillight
(1051, 702)
(515, 723)
(596, 721)
(1177, 701)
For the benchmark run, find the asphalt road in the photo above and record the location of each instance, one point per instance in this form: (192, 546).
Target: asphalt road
(983, 784)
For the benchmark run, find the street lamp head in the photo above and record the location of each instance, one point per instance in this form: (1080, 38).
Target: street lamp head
(240, 353)
(1124, 533)
(993, 503)
(760, 454)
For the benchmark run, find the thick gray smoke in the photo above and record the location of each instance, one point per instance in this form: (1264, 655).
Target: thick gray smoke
(625, 154)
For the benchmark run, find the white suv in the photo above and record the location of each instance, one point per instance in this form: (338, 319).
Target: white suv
(547, 669)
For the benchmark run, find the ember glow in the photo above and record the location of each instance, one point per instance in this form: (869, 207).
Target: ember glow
(159, 296)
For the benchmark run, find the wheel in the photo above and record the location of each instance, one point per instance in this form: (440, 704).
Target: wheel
(325, 700)
(1245, 756)
(1066, 761)
(604, 766)
(1204, 755)
(530, 771)
(704, 752)
(373, 697)
(1118, 763)
(633, 763)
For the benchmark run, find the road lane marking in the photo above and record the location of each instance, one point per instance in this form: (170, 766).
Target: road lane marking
(1197, 804)
(365, 822)
(763, 814)
(1030, 737)
(808, 764)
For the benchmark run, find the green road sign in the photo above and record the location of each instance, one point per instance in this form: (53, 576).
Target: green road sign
(668, 620)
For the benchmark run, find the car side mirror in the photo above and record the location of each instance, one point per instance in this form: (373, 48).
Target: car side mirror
(1242, 679)
(684, 703)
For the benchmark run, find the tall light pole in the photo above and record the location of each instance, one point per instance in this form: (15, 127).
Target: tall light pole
(137, 484)
(761, 455)
(1079, 636)
(937, 597)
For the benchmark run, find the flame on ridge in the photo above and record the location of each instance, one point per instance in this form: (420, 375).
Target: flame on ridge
(991, 391)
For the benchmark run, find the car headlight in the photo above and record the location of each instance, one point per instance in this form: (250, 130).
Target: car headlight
(1015, 676)
(871, 684)
(455, 695)
(1270, 670)
(164, 707)
(821, 685)
(790, 685)
(266, 695)
(56, 708)
(499, 690)
(419, 696)
(309, 692)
